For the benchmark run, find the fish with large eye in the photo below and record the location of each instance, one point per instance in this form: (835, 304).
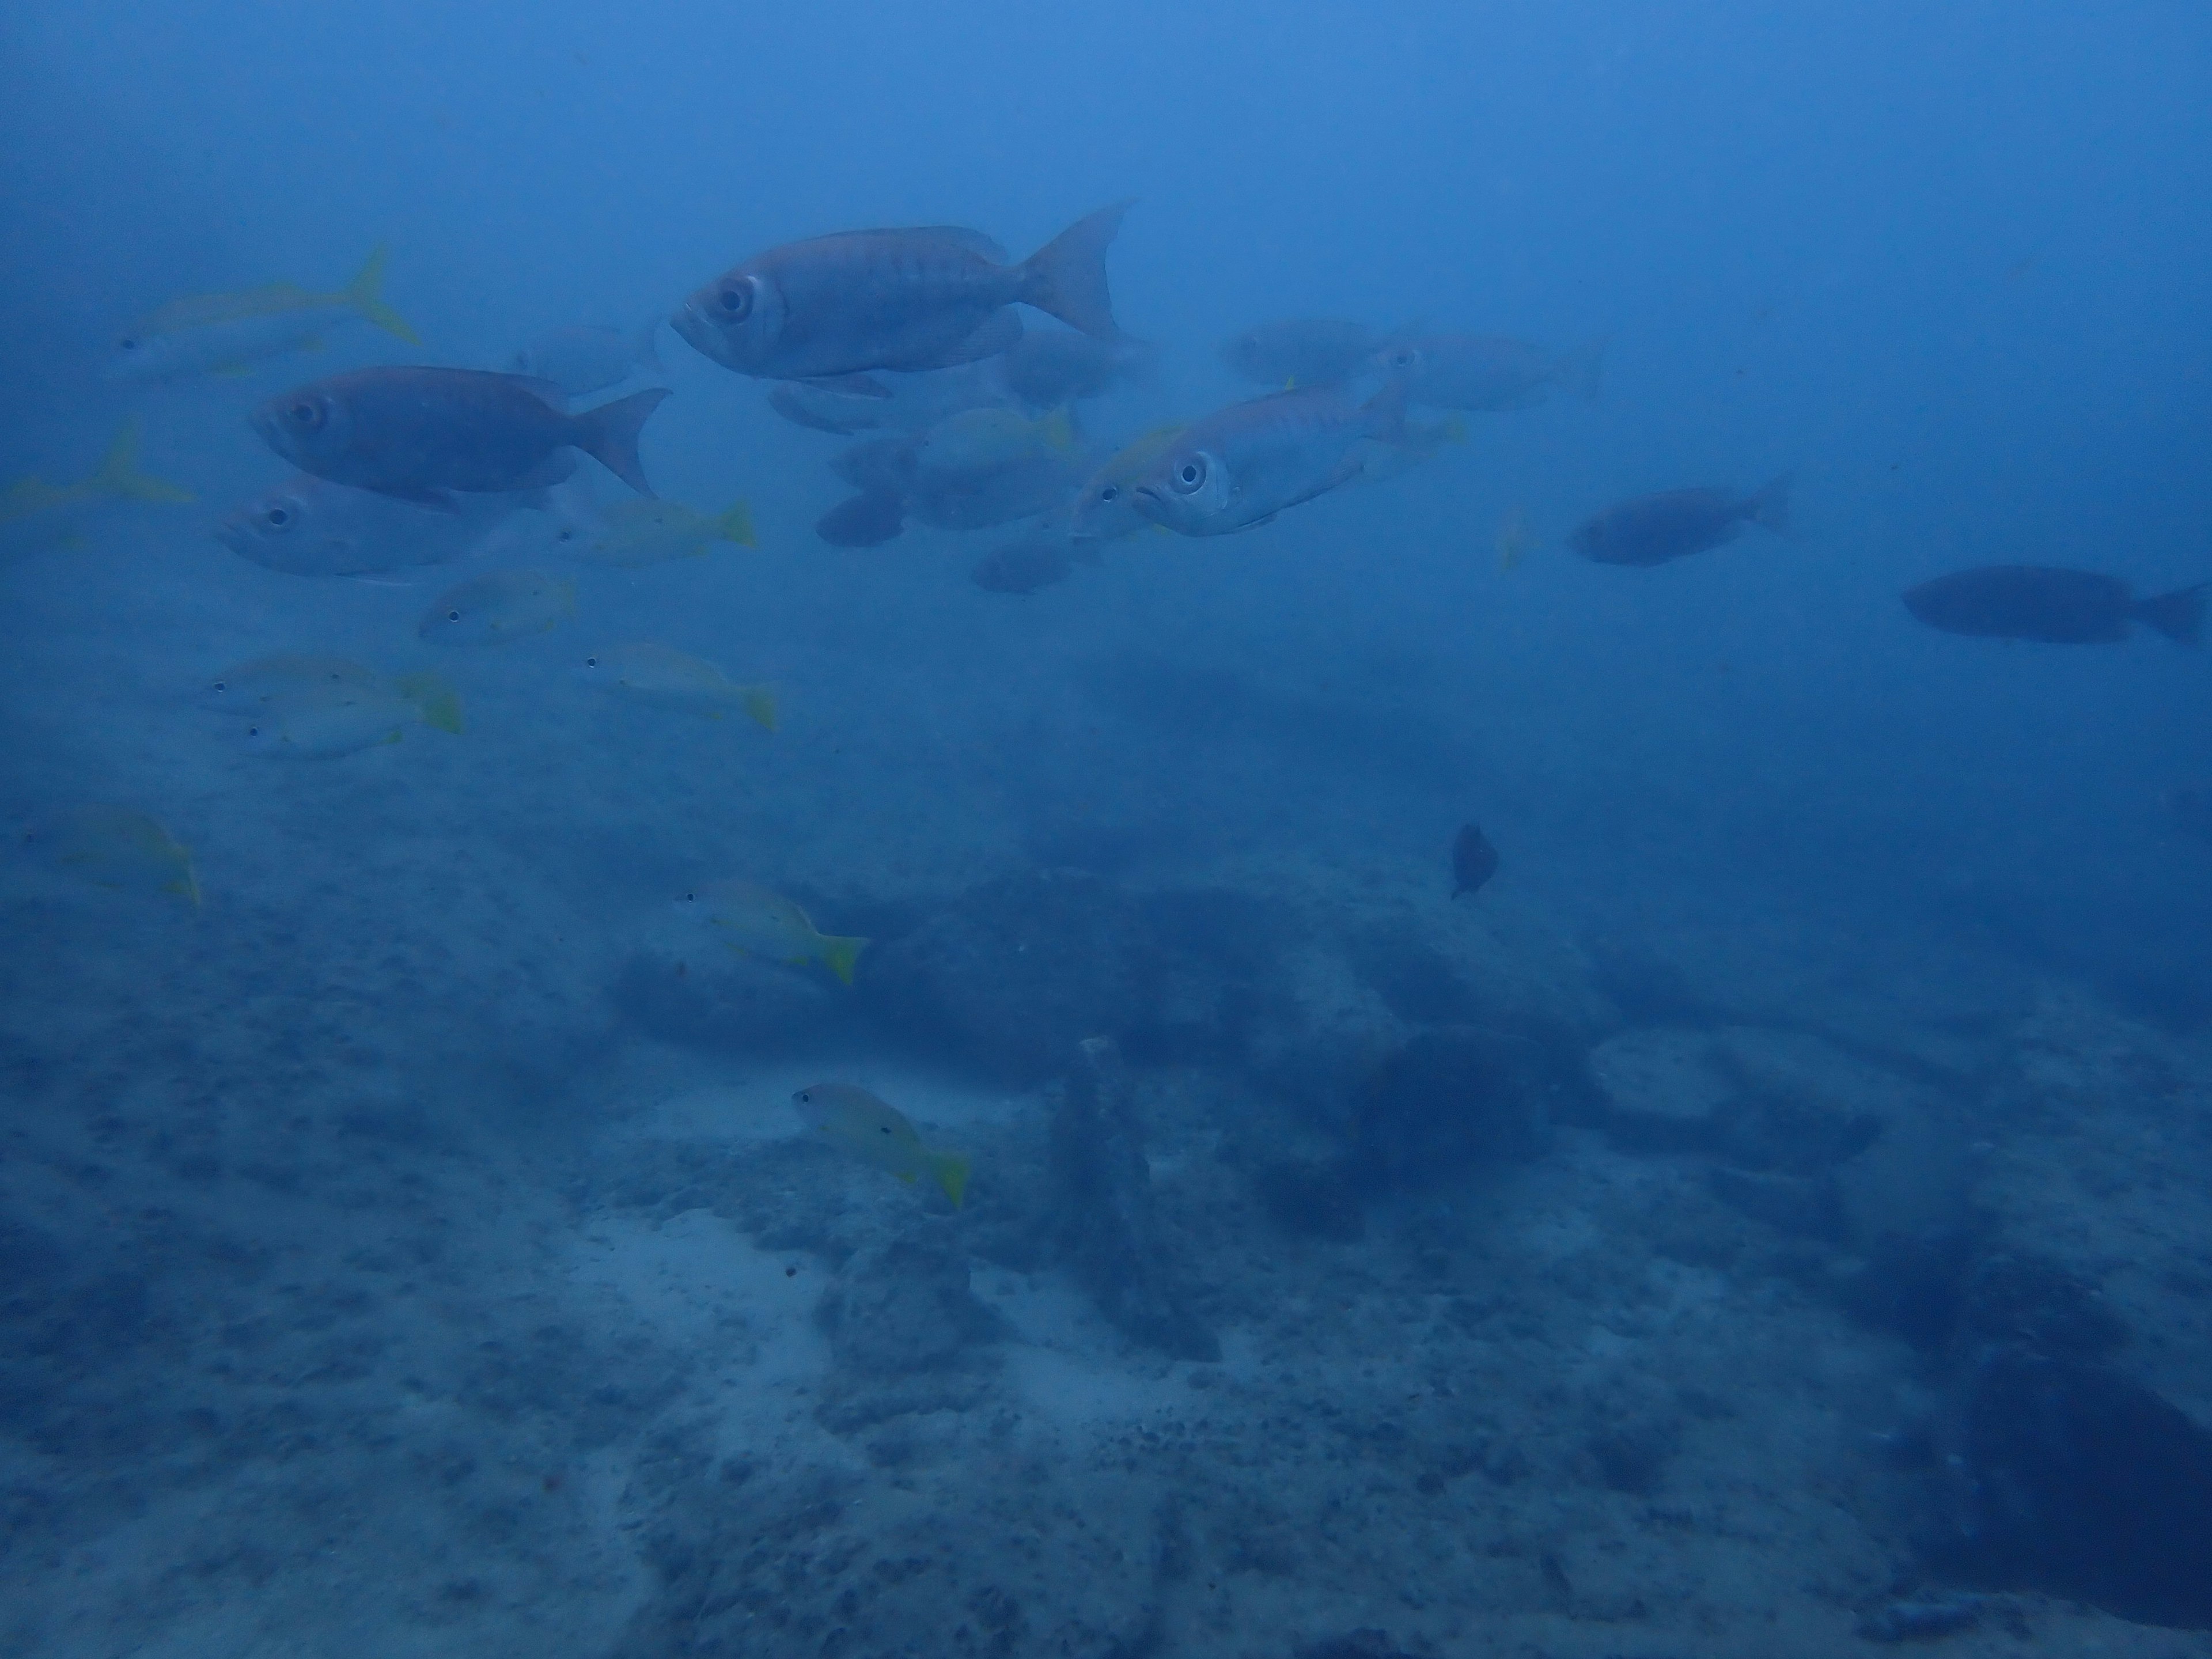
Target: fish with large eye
(1240, 466)
(736, 299)
(309, 413)
(1191, 475)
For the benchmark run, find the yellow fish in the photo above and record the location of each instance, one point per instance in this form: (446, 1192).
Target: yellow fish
(228, 333)
(33, 509)
(490, 609)
(122, 850)
(643, 531)
(669, 678)
(875, 1131)
(764, 924)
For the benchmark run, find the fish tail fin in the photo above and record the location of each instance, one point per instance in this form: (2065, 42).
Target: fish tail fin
(434, 698)
(186, 887)
(366, 295)
(118, 474)
(1386, 412)
(760, 704)
(2179, 615)
(609, 435)
(839, 955)
(1582, 372)
(1067, 277)
(951, 1171)
(1769, 508)
(736, 525)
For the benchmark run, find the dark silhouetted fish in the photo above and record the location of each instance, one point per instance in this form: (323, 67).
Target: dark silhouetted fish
(1676, 523)
(930, 297)
(2058, 607)
(1474, 860)
(422, 433)
(867, 519)
(1301, 351)
(1047, 368)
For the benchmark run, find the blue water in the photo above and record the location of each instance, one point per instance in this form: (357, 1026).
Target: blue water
(402, 1228)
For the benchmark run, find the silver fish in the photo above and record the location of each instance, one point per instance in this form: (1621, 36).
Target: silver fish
(423, 433)
(1488, 372)
(896, 300)
(1240, 466)
(309, 526)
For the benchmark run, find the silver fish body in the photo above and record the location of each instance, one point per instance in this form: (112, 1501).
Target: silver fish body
(1239, 467)
(309, 526)
(905, 299)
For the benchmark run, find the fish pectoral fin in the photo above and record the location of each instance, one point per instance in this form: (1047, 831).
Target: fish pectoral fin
(1261, 523)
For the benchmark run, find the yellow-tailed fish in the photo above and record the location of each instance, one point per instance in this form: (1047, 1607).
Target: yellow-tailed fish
(228, 333)
(877, 1133)
(504, 605)
(985, 440)
(121, 849)
(283, 677)
(344, 721)
(33, 509)
(757, 922)
(634, 533)
(668, 678)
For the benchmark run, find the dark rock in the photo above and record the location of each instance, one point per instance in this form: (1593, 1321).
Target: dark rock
(1451, 1100)
(2035, 1304)
(1914, 1288)
(1107, 1228)
(1797, 1205)
(1311, 1200)
(904, 1307)
(1014, 974)
(2085, 1485)
(1367, 1643)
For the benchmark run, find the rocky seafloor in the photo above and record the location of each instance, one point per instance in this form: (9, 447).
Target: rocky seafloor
(1344, 1273)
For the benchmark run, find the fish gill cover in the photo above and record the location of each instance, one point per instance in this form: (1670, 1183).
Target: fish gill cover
(1462, 746)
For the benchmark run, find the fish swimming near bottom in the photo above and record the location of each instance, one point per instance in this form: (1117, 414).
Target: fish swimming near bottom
(757, 921)
(1474, 860)
(491, 609)
(119, 848)
(363, 717)
(645, 530)
(874, 1130)
(33, 512)
(1673, 524)
(2052, 606)
(665, 677)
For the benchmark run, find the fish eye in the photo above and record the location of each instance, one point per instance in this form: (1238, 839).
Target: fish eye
(737, 299)
(252, 730)
(689, 898)
(593, 662)
(129, 344)
(1112, 492)
(452, 615)
(221, 686)
(308, 413)
(1190, 474)
(883, 1127)
(278, 518)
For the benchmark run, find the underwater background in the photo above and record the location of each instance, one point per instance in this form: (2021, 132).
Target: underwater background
(1765, 1215)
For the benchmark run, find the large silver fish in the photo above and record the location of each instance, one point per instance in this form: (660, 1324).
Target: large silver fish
(896, 300)
(309, 526)
(425, 432)
(1301, 351)
(1240, 466)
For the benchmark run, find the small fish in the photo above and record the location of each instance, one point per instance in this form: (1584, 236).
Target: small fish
(119, 848)
(1514, 540)
(872, 1129)
(589, 358)
(867, 519)
(1474, 860)
(228, 333)
(1488, 372)
(2053, 606)
(490, 609)
(283, 677)
(1301, 351)
(346, 721)
(33, 512)
(634, 533)
(1105, 508)
(669, 678)
(309, 526)
(1239, 467)
(1038, 560)
(896, 300)
(425, 432)
(758, 922)
(1652, 529)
